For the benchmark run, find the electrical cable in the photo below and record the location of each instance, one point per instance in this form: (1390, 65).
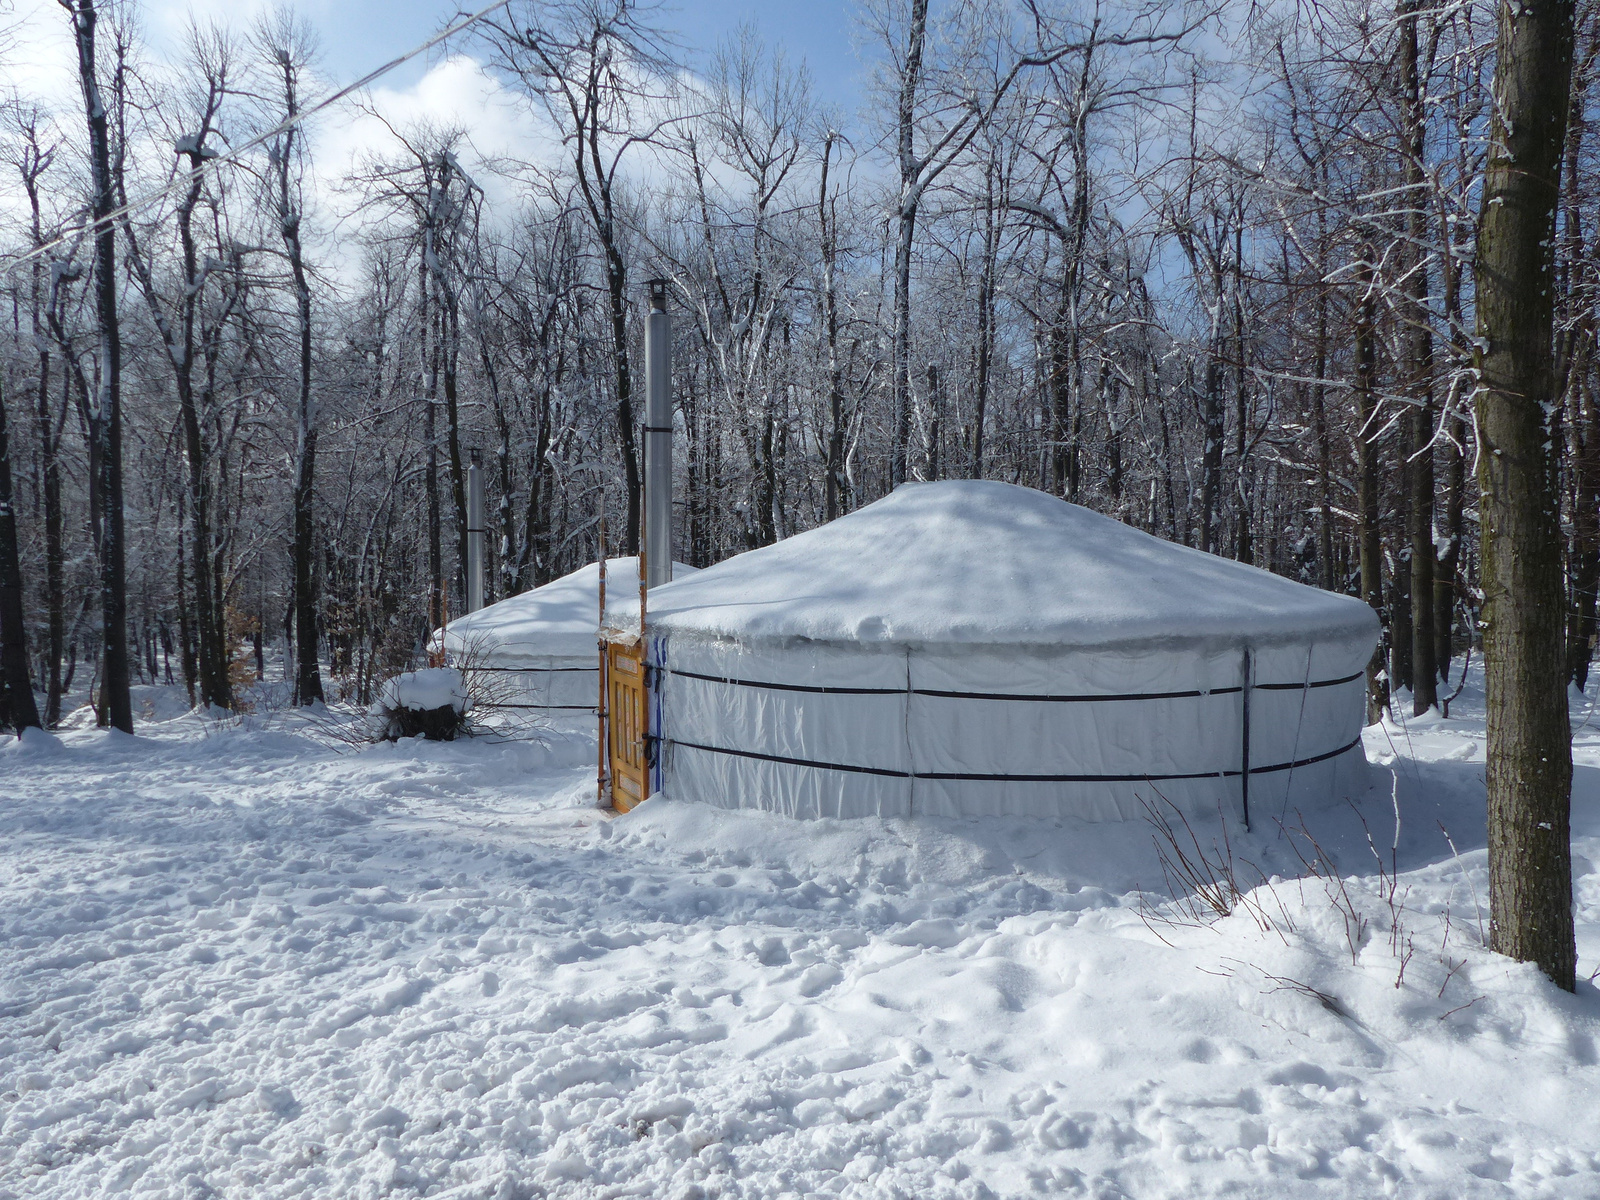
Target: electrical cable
(185, 178)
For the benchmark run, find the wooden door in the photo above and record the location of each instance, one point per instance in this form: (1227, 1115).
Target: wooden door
(629, 714)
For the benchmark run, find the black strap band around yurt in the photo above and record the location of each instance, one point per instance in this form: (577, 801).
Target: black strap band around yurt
(939, 693)
(986, 777)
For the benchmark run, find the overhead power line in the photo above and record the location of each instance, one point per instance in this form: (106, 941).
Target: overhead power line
(184, 178)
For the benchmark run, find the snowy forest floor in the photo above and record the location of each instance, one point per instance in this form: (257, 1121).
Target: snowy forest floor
(239, 960)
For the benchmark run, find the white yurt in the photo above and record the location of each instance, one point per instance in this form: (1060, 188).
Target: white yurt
(975, 648)
(540, 650)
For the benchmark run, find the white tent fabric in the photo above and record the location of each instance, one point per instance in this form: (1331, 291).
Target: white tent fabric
(975, 648)
(540, 649)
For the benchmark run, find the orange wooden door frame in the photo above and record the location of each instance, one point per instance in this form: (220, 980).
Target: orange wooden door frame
(628, 706)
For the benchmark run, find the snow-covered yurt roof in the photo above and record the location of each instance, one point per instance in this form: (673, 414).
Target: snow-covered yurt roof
(559, 620)
(986, 563)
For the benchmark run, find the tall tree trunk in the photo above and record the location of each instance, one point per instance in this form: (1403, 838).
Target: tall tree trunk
(1583, 420)
(1529, 751)
(308, 670)
(188, 659)
(1244, 548)
(1453, 426)
(450, 351)
(1111, 398)
(1449, 563)
(105, 408)
(17, 706)
(1400, 636)
(1061, 398)
(617, 293)
(833, 483)
(1212, 430)
(429, 345)
(211, 634)
(1319, 420)
(905, 230)
(986, 317)
(1367, 479)
(48, 431)
(1419, 345)
(1584, 558)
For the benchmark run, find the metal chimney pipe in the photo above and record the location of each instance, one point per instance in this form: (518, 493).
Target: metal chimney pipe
(475, 532)
(658, 438)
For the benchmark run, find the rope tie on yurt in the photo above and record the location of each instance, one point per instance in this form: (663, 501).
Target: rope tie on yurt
(1244, 736)
(911, 790)
(654, 740)
(1299, 723)
(533, 670)
(541, 707)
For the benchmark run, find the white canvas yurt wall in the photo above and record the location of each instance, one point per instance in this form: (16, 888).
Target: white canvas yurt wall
(973, 648)
(540, 650)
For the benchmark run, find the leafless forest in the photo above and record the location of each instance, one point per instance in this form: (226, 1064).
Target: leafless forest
(1209, 270)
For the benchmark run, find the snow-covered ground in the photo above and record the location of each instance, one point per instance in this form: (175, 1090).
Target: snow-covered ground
(243, 960)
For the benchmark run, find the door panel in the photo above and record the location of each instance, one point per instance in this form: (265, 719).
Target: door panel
(630, 723)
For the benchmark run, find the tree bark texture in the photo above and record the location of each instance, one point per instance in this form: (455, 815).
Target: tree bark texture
(1529, 752)
(105, 406)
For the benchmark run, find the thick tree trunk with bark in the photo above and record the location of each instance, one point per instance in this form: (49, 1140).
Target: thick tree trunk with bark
(105, 406)
(1529, 752)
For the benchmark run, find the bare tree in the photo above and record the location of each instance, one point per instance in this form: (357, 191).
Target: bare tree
(189, 336)
(33, 155)
(590, 64)
(286, 48)
(104, 409)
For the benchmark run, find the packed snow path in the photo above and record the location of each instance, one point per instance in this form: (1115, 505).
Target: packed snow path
(237, 963)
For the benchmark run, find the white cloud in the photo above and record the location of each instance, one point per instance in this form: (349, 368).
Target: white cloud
(457, 93)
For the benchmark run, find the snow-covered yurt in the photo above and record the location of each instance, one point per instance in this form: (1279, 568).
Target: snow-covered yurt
(539, 650)
(976, 648)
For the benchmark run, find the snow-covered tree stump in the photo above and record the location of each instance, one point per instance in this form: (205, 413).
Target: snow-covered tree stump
(431, 703)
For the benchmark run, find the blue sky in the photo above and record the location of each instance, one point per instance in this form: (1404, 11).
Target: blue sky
(360, 34)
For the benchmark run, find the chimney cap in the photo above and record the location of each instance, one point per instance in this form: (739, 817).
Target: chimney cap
(658, 294)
